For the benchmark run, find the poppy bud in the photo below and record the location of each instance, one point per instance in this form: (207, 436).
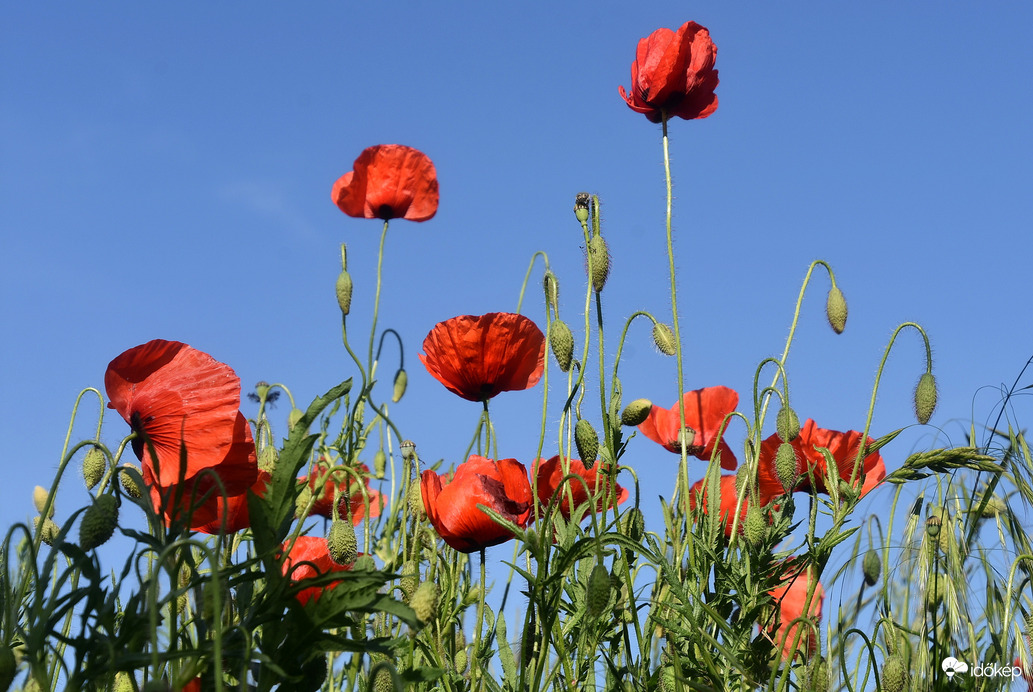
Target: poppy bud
(425, 601)
(401, 381)
(408, 450)
(600, 255)
(663, 337)
(835, 310)
(98, 522)
(344, 292)
(461, 660)
(410, 579)
(634, 524)
(303, 501)
(598, 593)
(8, 667)
(636, 412)
(872, 567)
(293, 418)
(925, 397)
(49, 531)
(786, 466)
(267, 458)
(39, 499)
(581, 202)
(818, 675)
(742, 479)
(383, 682)
(552, 291)
(93, 467)
(341, 542)
(379, 463)
(587, 442)
(754, 528)
(128, 483)
(787, 424)
(895, 675)
(561, 340)
(123, 683)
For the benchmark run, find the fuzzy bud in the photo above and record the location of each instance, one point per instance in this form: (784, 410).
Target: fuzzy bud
(401, 382)
(561, 340)
(871, 565)
(129, 483)
(48, 534)
(581, 202)
(895, 675)
(835, 310)
(93, 467)
(636, 412)
(461, 660)
(634, 524)
(293, 418)
(344, 292)
(425, 601)
(552, 291)
(742, 480)
(598, 593)
(267, 458)
(754, 528)
(600, 258)
(787, 424)
(786, 466)
(663, 337)
(587, 442)
(98, 522)
(415, 499)
(410, 579)
(379, 463)
(39, 500)
(341, 542)
(925, 397)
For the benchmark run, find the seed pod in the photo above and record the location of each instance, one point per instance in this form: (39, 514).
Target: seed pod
(48, 534)
(98, 522)
(401, 382)
(581, 202)
(600, 260)
(39, 500)
(344, 292)
(267, 458)
(410, 579)
(636, 412)
(786, 466)
(663, 337)
(598, 592)
(835, 310)
(552, 291)
(129, 483)
(93, 467)
(787, 424)
(754, 528)
(932, 526)
(379, 463)
(425, 601)
(408, 449)
(895, 675)
(341, 542)
(587, 442)
(561, 340)
(925, 397)
(871, 565)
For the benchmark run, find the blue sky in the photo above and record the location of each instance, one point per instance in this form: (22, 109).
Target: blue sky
(165, 173)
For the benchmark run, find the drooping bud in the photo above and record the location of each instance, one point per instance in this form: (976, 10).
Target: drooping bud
(754, 528)
(634, 524)
(786, 466)
(267, 458)
(925, 397)
(818, 675)
(408, 450)
(871, 565)
(636, 412)
(341, 542)
(581, 202)
(599, 255)
(128, 482)
(293, 418)
(561, 340)
(835, 310)
(895, 675)
(40, 495)
(552, 291)
(93, 467)
(425, 601)
(344, 292)
(98, 522)
(410, 579)
(663, 337)
(401, 382)
(379, 463)
(587, 442)
(787, 424)
(48, 534)
(598, 592)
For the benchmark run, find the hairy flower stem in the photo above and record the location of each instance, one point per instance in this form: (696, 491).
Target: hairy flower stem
(376, 300)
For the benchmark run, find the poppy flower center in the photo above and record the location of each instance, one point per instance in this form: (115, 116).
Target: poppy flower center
(386, 211)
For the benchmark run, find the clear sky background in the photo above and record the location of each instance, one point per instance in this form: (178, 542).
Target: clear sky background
(165, 172)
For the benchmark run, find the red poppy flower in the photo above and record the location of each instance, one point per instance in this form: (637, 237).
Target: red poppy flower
(207, 516)
(184, 407)
(478, 356)
(309, 558)
(550, 474)
(729, 497)
(324, 482)
(790, 599)
(389, 181)
(452, 508)
(705, 411)
(842, 445)
(674, 72)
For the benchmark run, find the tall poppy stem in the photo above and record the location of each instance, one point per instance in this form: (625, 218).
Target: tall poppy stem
(376, 301)
(480, 622)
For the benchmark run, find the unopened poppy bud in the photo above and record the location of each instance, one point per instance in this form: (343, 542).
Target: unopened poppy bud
(561, 340)
(344, 292)
(754, 528)
(835, 310)
(98, 522)
(600, 261)
(401, 382)
(895, 675)
(460, 660)
(128, 482)
(786, 466)
(871, 565)
(598, 593)
(636, 412)
(425, 601)
(341, 542)
(39, 499)
(818, 675)
(408, 450)
(364, 562)
(663, 337)
(925, 397)
(303, 501)
(742, 479)
(581, 202)
(293, 418)
(267, 458)
(415, 499)
(93, 467)
(787, 424)
(587, 442)
(552, 291)
(379, 463)
(8, 667)
(123, 683)
(410, 579)
(634, 524)
(48, 534)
